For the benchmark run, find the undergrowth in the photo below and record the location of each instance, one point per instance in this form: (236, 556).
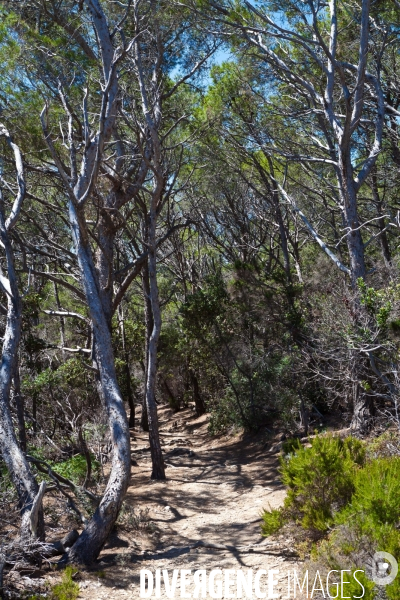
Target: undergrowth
(345, 494)
(67, 589)
(74, 468)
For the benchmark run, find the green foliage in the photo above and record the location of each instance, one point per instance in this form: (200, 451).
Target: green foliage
(71, 373)
(320, 480)
(75, 468)
(291, 446)
(379, 303)
(273, 520)
(374, 510)
(352, 587)
(344, 486)
(367, 524)
(208, 303)
(225, 413)
(67, 589)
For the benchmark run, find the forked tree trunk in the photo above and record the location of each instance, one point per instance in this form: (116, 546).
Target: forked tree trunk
(80, 185)
(92, 539)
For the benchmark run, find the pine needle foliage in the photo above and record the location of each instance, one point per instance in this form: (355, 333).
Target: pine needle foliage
(67, 589)
(320, 481)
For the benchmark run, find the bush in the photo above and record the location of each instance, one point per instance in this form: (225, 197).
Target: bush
(75, 468)
(273, 520)
(67, 589)
(353, 589)
(331, 486)
(375, 502)
(320, 479)
(374, 511)
(291, 446)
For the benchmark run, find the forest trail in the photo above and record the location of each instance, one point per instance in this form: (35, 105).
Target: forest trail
(215, 491)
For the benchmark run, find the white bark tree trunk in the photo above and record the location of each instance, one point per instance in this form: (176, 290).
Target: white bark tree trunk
(13, 456)
(92, 539)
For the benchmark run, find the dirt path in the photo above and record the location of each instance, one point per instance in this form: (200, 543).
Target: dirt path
(215, 491)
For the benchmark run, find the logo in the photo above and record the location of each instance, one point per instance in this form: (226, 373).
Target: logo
(384, 568)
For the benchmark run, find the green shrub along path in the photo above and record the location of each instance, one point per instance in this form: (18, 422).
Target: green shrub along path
(345, 495)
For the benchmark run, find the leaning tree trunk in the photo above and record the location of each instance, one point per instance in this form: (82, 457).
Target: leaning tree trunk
(80, 185)
(92, 539)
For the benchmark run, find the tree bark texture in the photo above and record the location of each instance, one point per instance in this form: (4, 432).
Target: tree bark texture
(12, 454)
(92, 539)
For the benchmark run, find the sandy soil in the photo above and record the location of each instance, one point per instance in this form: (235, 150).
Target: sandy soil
(214, 493)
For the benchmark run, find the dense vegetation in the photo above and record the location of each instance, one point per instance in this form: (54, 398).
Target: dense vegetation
(344, 494)
(198, 205)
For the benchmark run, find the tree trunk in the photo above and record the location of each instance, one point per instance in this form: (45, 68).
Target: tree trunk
(362, 403)
(131, 402)
(174, 402)
(13, 456)
(363, 409)
(304, 416)
(354, 239)
(105, 257)
(381, 221)
(155, 446)
(148, 317)
(19, 403)
(127, 373)
(198, 399)
(62, 321)
(92, 539)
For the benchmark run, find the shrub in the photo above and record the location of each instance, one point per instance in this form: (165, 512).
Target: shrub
(273, 520)
(375, 502)
(352, 587)
(374, 511)
(67, 589)
(330, 485)
(291, 446)
(320, 479)
(75, 468)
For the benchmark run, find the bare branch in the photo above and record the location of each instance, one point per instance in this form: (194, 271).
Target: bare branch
(12, 219)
